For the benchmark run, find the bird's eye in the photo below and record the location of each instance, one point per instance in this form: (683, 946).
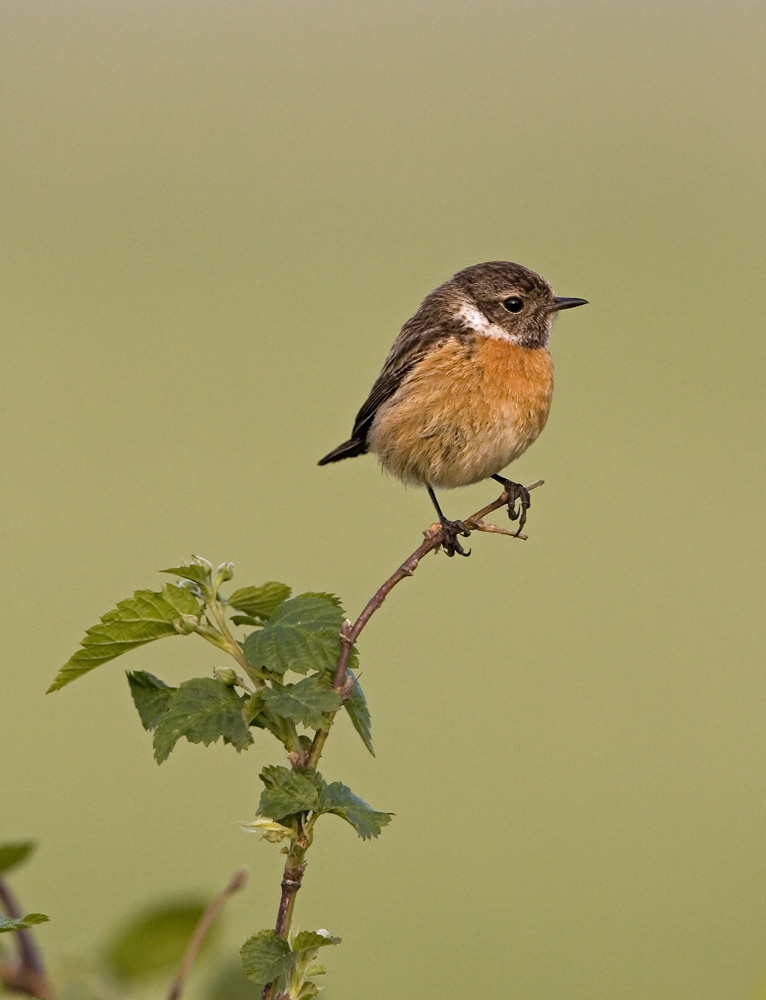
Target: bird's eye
(514, 304)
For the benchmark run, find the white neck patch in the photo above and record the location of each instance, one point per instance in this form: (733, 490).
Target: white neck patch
(474, 319)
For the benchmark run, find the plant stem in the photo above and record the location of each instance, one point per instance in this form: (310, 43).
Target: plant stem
(232, 646)
(291, 883)
(292, 878)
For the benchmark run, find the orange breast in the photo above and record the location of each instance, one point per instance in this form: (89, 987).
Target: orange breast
(464, 412)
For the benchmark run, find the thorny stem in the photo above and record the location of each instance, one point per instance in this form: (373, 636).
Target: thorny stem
(349, 633)
(200, 931)
(29, 975)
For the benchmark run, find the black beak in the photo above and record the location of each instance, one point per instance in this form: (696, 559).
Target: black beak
(563, 303)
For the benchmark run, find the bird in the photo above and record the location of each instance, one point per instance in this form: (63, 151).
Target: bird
(465, 389)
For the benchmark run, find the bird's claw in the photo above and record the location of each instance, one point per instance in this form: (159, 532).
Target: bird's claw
(519, 503)
(450, 532)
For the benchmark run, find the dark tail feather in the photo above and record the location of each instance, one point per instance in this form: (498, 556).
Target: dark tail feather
(346, 450)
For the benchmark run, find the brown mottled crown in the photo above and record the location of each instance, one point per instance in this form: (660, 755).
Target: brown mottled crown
(483, 281)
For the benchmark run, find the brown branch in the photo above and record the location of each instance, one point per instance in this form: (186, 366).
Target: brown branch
(349, 633)
(29, 975)
(433, 539)
(291, 883)
(200, 932)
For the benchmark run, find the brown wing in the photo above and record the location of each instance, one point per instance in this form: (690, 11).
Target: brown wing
(417, 337)
(385, 386)
(410, 347)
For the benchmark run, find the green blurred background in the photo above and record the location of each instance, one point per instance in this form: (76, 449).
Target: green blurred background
(216, 216)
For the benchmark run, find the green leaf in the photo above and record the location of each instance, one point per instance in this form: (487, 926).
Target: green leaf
(151, 697)
(260, 602)
(302, 635)
(325, 596)
(21, 923)
(306, 702)
(311, 940)
(305, 947)
(266, 957)
(153, 941)
(309, 990)
(338, 798)
(146, 616)
(195, 572)
(356, 706)
(288, 791)
(246, 620)
(13, 853)
(203, 710)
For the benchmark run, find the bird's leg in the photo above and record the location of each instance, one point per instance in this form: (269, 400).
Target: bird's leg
(450, 530)
(516, 493)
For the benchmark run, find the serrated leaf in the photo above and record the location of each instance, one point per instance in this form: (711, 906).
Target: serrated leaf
(306, 702)
(142, 618)
(338, 798)
(196, 573)
(266, 957)
(203, 710)
(247, 620)
(14, 853)
(302, 635)
(21, 923)
(308, 991)
(260, 602)
(153, 941)
(359, 713)
(311, 940)
(305, 946)
(325, 596)
(151, 696)
(288, 791)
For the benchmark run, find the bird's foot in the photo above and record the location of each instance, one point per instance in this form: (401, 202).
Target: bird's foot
(519, 502)
(450, 532)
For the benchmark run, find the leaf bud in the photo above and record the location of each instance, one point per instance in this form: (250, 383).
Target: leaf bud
(226, 675)
(192, 586)
(186, 624)
(224, 572)
(272, 831)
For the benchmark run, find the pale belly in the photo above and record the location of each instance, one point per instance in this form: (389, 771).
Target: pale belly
(460, 419)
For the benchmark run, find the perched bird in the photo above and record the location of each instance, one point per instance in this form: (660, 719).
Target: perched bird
(466, 387)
